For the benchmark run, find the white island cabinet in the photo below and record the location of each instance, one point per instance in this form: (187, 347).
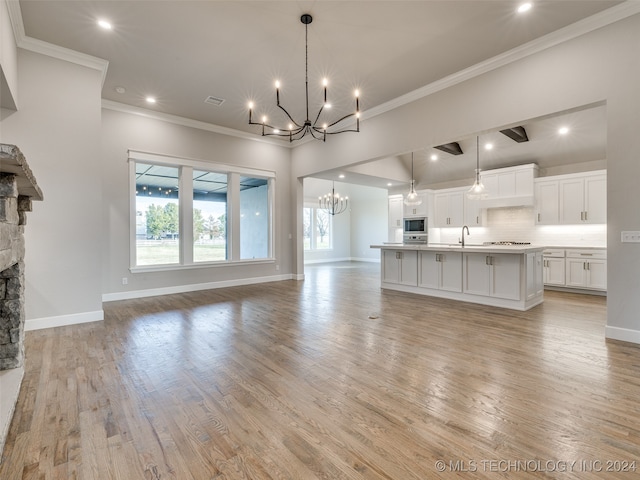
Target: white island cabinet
(492, 275)
(502, 276)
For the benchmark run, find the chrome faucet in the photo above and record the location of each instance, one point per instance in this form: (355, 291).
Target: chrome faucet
(463, 229)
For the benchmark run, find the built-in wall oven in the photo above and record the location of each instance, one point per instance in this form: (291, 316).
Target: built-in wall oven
(415, 230)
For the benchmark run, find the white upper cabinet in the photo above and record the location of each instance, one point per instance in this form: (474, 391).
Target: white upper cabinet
(509, 187)
(449, 207)
(547, 208)
(472, 212)
(395, 211)
(583, 199)
(571, 199)
(418, 210)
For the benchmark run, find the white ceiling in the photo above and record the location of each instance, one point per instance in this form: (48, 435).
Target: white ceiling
(183, 51)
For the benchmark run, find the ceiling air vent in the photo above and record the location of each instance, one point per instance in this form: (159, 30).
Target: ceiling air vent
(214, 100)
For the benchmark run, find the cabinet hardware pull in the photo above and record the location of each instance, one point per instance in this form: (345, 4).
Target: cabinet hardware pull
(538, 217)
(478, 220)
(581, 216)
(586, 216)
(588, 266)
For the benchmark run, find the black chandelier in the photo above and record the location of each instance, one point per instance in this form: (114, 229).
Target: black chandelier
(296, 130)
(332, 202)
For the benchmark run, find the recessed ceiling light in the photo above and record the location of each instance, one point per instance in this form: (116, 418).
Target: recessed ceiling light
(434, 157)
(389, 184)
(105, 25)
(488, 146)
(563, 130)
(341, 176)
(151, 100)
(525, 7)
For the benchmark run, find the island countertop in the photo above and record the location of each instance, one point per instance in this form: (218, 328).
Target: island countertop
(468, 248)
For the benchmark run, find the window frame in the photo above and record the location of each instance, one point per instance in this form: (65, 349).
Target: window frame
(185, 205)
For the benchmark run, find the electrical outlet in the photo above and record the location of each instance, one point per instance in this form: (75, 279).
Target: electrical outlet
(277, 267)
(125, 280)
(630, 237)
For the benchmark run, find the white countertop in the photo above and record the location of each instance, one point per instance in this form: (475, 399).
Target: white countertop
(468, 248)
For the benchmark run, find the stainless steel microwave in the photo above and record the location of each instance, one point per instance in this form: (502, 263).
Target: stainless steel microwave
(415, 225)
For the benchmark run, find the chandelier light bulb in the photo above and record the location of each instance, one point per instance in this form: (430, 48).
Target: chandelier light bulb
(277, 83)
(290, 126)
(357, 93)
(325, 82)
(250, 105)
(327, 105)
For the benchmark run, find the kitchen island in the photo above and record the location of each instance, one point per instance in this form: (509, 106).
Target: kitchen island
(499, 275)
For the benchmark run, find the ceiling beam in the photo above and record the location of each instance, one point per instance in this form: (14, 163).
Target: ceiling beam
(453, 148)
(517, 134)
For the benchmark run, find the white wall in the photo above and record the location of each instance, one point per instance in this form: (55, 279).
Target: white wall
(369, 221)
(58, 129)
(123, 131)
(601, 66)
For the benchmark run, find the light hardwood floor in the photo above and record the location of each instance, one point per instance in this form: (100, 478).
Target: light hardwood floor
(328, 378)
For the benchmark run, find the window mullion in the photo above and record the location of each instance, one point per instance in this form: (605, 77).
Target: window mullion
(233, 216)
(185, 193)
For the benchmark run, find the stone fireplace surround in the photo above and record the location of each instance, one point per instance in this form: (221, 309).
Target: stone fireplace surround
(18, 188)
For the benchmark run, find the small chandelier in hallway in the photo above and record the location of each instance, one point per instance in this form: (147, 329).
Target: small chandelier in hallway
(333, 203)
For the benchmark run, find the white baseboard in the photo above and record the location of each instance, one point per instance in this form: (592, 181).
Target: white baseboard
(345, 259)
(364, 259)
(153, 292)
(624, 334)
(10, 381)
(63, 320)
(327, 260)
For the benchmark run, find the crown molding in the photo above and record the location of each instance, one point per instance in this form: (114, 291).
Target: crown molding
(582, 27)
(188, 122)
(49, 49)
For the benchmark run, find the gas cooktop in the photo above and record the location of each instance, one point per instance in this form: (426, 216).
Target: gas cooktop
(507, 243)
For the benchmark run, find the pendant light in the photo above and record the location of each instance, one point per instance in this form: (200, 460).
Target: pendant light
(412, 198)
(477, 190)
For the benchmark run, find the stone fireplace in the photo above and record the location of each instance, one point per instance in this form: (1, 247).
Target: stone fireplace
(18, 188)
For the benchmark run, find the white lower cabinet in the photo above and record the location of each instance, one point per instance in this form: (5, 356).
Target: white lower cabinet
(494, 275)
(400, 267)
(586, 269)
(553, 264)
(440, 270)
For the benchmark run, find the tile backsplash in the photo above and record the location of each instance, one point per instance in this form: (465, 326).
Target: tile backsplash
(517, 224)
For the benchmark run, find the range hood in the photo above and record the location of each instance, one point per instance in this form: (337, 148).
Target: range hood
(509, 187)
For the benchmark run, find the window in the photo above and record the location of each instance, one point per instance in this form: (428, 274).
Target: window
(209, 216)
(254, 215)
(157, 215)
(318, 226)
(183, 212)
